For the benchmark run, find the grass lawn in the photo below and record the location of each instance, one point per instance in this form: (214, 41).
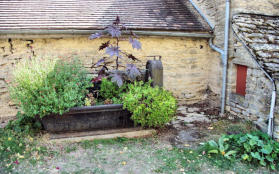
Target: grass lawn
(29, 154)
(130, 156)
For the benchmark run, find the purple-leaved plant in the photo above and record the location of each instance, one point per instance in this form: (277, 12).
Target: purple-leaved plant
(114, 52)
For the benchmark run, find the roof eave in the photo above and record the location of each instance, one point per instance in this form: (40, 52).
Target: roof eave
(29, 33)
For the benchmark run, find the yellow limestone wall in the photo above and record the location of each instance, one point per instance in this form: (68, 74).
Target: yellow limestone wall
(188, 63)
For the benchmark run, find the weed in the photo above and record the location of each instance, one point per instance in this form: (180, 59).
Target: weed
(71, 148)
(255, 148)
(18, 143)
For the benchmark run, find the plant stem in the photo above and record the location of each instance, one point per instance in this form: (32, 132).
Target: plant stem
(117, 63)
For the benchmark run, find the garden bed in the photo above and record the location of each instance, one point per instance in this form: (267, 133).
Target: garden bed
(64, 96)
(89, 118)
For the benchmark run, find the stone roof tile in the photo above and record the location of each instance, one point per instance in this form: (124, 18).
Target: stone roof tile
(261, 34)
(95, 14)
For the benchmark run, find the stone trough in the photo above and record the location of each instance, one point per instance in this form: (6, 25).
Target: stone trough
(89, 118)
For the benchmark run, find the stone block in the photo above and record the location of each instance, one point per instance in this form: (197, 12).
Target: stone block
(233, 113)
(240, 107)
(3, 84)
(245, 112)
(192, 117)
(238, 99)
(228, 108)
(236, 110)
(232, 104)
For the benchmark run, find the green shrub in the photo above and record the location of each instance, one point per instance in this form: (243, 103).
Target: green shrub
(110, 90)
(44, 86)
(221, 147)
(255, 147)
(149, 106)
(25, 124)
(17, 142)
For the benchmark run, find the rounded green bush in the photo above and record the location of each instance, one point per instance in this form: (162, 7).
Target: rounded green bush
(152, 107)
(110, 90)
(49, 86)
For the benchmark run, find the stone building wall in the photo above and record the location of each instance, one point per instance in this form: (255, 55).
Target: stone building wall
(215, 12)
(185, 61)
(256, 103)
(261, 35)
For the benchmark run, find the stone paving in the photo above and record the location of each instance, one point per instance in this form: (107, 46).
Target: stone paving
(189, 122)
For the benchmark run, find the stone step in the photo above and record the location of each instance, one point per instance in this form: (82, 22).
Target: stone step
(101, 134)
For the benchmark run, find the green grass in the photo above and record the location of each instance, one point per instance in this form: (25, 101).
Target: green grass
(170, 160)
(226, 126)
(71, 148)
(179, 159)
(192, 161)
(120, 155)
(18, 143)
(145, 153)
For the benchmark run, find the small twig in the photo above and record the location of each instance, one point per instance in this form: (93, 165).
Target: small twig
(126, 54)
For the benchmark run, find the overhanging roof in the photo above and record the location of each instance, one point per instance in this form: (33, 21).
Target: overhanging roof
(85, 15)
(261, 35)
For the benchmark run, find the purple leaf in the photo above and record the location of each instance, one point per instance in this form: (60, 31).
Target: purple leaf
(104, 45)
(132, 71)
(102, 71)
(95, 35)
(117, 78)
(98, 78)
(113, 31)
(112, 51)
(100, 61)
(124, 27)
(133, 34)
(131, 56)
(117, 21)
(135, 43)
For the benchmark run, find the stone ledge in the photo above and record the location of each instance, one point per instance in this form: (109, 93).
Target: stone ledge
(239, 61)
(237, 100)
(103, 134)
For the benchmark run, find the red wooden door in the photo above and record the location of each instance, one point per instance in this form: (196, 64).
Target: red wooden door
(241, 80)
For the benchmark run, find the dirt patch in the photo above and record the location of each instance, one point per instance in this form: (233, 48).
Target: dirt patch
(199, 122)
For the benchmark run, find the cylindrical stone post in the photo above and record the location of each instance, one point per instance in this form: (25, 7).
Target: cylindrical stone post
(154, 71)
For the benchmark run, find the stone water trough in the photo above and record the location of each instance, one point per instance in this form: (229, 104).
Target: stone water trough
(89, 118)
(100, 117)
